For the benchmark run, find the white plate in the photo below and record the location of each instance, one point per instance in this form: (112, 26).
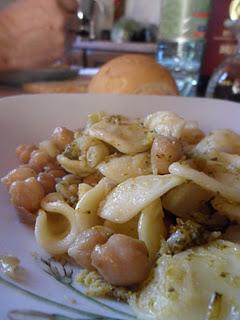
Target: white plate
(30, 119)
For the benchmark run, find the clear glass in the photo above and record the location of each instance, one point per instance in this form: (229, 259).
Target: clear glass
(182, 28)
(183, 59)
(225, 81)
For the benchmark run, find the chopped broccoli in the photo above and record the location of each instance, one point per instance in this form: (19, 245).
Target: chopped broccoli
(186, 235)
(98, 287)
(72, 151)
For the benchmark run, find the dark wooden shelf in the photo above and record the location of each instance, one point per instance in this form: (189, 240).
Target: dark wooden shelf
(131, 47)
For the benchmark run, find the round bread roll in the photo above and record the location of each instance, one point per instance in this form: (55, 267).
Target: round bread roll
(133, 74)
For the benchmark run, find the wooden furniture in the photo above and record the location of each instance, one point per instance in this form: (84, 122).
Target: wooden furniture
(96, 53)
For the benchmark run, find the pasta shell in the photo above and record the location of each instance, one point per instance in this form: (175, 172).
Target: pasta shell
(165, 123)
(134, 194)
(87, 206)
(127, 137)
(151, 227)
(206, 182)
(124, 167)
(78, 167)
(56, 237)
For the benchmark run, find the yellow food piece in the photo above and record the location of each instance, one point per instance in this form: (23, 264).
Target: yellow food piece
(131, 196)
(181, 286)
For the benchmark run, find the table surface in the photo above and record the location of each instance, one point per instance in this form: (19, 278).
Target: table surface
(6, 91)
(9, 91)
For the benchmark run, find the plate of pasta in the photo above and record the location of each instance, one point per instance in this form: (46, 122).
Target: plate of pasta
(119, 207)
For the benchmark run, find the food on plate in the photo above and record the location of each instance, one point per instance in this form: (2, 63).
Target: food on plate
(198, 283)
(164, 151)
(219, 140)
(82, 247)
(123, 167)
(23, 152)
(149, 207)
(96, 286)
(9, 266)
(18, 174)
(185, 235)
(27, 194)
(111, 258)
(133, 74)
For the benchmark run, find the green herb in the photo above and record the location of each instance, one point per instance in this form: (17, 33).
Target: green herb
(186, 235)
(72, 151)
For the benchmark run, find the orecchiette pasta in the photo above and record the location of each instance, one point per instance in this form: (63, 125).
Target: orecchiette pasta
(87, 206)
(94, 118)
(56, 227)
(230, 161)
(165, 123)
(96, 154)
(79, 167)
(222, 140)
(82, 189)
(51, 197)
(134, 194)
(129, 228)
(228, 179)
(151, 227)
(127, 137)
(85, 141)
(186, 199)
(123, 167)
(205, 181)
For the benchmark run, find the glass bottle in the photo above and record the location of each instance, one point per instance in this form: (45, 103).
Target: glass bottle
(220, 42)
(182, 29)
(225, 81)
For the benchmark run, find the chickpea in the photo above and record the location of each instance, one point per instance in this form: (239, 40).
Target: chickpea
(27, 194)
(62, 137)
(55, 169)
(47, 181)
(57, 173)
(93, 179)
(49, 147)
(26, 216)
(54, 165)
(122, 260)
(39, 159)
(24, 151)
(20, 173)
(165, 150)
(83, 246)
(192, 135)
(71, 179)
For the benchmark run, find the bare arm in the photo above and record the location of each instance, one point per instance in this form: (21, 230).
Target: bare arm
(5, 52)
(32, 33)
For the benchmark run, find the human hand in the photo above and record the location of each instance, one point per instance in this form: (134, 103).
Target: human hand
(34, 32)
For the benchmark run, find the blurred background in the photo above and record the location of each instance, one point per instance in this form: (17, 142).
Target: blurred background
(190, 37)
